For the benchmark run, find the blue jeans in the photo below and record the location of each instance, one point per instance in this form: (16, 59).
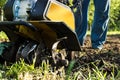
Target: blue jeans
(100, 22)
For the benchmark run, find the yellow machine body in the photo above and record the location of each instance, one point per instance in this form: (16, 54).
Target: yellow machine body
(56, 12)
(59, 12)
(52, 19)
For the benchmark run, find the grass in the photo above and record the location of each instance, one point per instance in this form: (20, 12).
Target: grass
(23, 71)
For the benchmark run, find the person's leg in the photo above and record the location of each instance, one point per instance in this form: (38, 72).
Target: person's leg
(81, 22)
(99, 27)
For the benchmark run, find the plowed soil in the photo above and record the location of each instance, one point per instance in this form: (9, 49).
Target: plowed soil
(106, 59)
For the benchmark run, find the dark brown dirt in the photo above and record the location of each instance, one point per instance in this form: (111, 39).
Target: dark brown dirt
(111, 48)
(107, 58)
(112, 42)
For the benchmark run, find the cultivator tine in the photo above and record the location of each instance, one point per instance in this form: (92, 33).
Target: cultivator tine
(54, 51)
(59, 55)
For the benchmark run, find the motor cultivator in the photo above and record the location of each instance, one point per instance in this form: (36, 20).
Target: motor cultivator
(39, 30)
